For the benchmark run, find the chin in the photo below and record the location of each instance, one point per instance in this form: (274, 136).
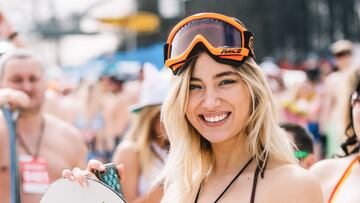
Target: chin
(32, 109)
(216, 138)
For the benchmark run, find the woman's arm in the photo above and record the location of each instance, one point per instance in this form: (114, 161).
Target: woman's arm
(127, 154)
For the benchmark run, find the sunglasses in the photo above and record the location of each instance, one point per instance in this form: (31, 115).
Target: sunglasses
(222, 36)
(342, 53)
(301, 154)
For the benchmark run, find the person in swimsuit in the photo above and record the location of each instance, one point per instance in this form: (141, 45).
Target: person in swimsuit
(143, 151)
(340, 178)
(221, 120)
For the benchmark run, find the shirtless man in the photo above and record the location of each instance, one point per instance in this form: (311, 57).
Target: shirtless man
(333, 98)
(53, 141)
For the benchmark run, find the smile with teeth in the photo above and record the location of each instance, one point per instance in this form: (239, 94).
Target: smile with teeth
(215, 119)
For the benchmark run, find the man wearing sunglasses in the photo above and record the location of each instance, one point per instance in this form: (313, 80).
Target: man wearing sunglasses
(304, 151)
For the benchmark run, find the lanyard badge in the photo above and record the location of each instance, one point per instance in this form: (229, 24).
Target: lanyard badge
(34, 174)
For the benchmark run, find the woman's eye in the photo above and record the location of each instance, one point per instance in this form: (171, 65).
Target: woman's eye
(193, 87)
(225, 82)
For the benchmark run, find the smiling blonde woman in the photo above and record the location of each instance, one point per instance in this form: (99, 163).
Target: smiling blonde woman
(221, 120)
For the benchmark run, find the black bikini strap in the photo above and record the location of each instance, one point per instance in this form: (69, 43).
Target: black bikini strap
(233, 180)
(228, 186)
(253, 191)
(198, 192)
(256, 175)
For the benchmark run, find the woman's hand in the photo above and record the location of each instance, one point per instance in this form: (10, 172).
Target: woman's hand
(78, 175)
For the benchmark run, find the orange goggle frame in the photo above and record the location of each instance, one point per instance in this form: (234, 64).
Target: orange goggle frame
(188, 33)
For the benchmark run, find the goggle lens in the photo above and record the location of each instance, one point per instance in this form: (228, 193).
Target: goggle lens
(217, 32)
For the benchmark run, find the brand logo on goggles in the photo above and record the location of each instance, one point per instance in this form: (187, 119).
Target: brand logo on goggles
(251, 46)
(231, 51)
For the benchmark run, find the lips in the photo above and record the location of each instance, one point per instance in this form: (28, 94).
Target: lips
(215, 118)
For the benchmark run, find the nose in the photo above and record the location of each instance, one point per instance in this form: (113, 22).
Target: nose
(211, 99)
(27, 87)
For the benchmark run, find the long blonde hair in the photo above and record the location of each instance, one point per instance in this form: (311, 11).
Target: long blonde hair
(142, 132)
(191, 158)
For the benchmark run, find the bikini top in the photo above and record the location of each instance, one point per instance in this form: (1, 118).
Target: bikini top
(343, 178)
(253, 191)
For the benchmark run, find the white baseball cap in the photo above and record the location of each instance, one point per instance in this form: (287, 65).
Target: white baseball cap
(341, 46)
(154, 88)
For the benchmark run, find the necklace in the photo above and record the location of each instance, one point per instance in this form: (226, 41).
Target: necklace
(228, 186)
(38, 141)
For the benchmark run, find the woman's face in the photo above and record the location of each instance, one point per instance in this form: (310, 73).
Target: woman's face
(219, 102)
(355, 102)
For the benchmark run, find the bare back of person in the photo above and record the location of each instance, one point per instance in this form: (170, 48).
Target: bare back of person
(61, 146)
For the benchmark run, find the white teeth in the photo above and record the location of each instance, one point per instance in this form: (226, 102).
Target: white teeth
(213, 119)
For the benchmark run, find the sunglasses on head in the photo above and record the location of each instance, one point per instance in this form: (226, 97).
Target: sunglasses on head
(225, 38)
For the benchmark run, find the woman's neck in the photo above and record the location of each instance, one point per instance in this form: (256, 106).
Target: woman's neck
(230, 155)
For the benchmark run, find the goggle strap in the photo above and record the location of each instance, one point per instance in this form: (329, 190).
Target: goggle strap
(166, 51)
(249, 39)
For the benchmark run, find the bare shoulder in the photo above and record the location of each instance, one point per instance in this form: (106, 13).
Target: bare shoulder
(68, 139)
(65, 134)
(62, 127)
(295, 183)
(333, 78)
(321, 168)
(126, 151)
(294, 174)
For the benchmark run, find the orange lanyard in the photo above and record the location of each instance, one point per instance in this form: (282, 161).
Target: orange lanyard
(342, 179)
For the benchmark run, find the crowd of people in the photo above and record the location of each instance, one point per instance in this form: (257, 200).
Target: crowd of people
(221, 129)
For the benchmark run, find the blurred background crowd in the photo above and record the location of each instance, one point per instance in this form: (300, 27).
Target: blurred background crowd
(96, 53)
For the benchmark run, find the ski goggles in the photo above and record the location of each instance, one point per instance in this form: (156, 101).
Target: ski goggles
(225, 38)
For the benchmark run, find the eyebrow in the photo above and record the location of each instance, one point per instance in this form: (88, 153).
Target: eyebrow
(222, 74)
(219, 75)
